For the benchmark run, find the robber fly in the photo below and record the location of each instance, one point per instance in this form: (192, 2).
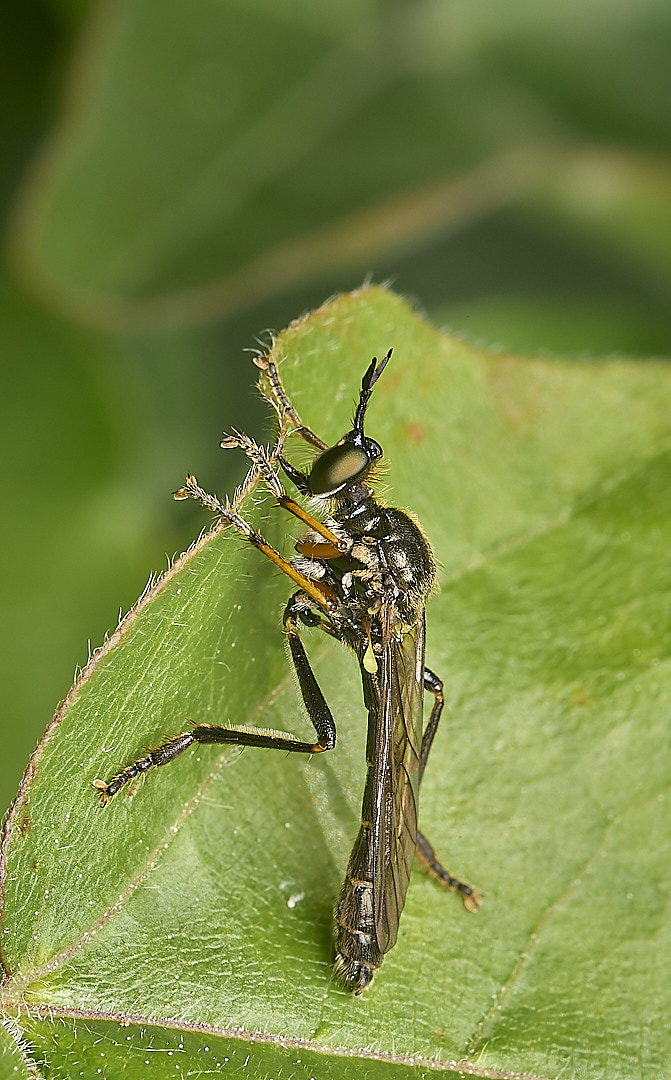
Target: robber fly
(364, 575)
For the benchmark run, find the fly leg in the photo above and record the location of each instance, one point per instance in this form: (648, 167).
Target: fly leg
(320, 594)
(435, 685)
(263, 466)
(313, 595)
(210, 733)
(320, 715)
(315, 704)
(424, 850)
(274, 392)
(433, 866)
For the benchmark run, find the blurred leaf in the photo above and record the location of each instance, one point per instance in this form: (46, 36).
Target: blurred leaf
(214, 154)
(63, 439)
(622, 199)
(194, 920)
(93, 435)
(549, 325)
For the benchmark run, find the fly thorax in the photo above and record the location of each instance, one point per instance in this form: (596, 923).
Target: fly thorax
(408, 557)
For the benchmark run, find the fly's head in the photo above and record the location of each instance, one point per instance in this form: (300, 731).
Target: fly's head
(341, 471)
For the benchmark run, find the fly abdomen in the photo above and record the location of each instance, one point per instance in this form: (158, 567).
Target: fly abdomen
(358, 954)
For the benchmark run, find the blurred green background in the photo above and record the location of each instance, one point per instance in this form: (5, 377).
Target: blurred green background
(179, 179)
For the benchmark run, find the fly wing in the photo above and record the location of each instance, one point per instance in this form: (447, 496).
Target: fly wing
(396, 772)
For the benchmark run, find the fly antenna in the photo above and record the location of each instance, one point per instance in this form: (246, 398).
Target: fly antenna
(373, 373)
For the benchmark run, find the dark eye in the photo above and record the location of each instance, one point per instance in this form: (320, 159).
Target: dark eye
(337, 467)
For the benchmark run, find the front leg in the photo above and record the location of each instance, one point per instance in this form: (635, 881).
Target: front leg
(275, 393)
(262, 462)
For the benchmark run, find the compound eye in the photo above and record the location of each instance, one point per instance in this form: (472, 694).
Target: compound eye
(336, 468)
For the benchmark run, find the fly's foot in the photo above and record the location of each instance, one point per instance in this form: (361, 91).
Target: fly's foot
(161, 755)
(103, 788)
(109, 788)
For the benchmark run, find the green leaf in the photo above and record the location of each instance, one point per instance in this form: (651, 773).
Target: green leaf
(192, 922)
(13, 1053)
